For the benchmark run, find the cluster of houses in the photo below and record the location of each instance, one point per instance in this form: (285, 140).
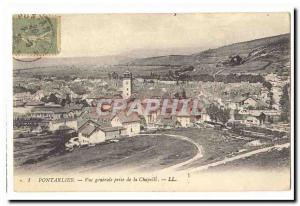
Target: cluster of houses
(252, 111)
(29, 111)
(49, 117)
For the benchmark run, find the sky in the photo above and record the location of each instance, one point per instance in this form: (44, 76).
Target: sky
(117, 34)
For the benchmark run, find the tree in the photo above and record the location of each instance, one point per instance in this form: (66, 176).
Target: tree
(84, 103)
(177, 124)
(262, 118)
(271, 100)
(176, 95)
(53, 98)
(68, 99)
(268, 85)
(115, 75)
(216, 114)
(212, 111)
(44, 99)
(143, 121)
(285, 104)
(270, 119)
(224, 115)
(63, 102)
(183, 94)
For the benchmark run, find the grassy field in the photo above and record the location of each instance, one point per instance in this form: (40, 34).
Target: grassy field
(143, 153)
(35, 148)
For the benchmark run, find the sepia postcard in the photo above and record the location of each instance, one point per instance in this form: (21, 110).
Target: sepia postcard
(152, 102)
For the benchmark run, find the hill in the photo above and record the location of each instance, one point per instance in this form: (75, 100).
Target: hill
(259, 56)
(266, 55)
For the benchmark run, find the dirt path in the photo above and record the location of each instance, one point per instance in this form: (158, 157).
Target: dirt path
(238, 157)
(219, 71)
(184, 138)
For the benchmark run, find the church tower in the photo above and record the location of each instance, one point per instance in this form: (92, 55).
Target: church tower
(127, 85)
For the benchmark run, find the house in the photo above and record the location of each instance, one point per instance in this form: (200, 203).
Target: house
(184, 120)
(38, 95)
(112, 132)
(92, 133)
(131, 123)
(37, 129)
(150, 116)
(243, 111)
(248, 102)
(88, 133)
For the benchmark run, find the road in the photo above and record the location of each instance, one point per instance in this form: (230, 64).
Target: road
(219, 71)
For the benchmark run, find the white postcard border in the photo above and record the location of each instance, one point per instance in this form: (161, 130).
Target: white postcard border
(48, 6)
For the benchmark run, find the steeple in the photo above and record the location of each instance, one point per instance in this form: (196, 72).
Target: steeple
(127, 85)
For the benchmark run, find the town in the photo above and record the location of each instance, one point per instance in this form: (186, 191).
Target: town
(70, 109)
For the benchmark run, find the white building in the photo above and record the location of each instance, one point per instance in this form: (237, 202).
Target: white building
(249, 102)
(92, 133)
(131, 123)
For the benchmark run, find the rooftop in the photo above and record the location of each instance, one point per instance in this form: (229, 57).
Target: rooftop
(88, 128)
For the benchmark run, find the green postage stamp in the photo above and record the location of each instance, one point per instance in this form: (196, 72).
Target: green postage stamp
(36, 34)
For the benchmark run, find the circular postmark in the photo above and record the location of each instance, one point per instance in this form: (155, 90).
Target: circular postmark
(34, 36)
